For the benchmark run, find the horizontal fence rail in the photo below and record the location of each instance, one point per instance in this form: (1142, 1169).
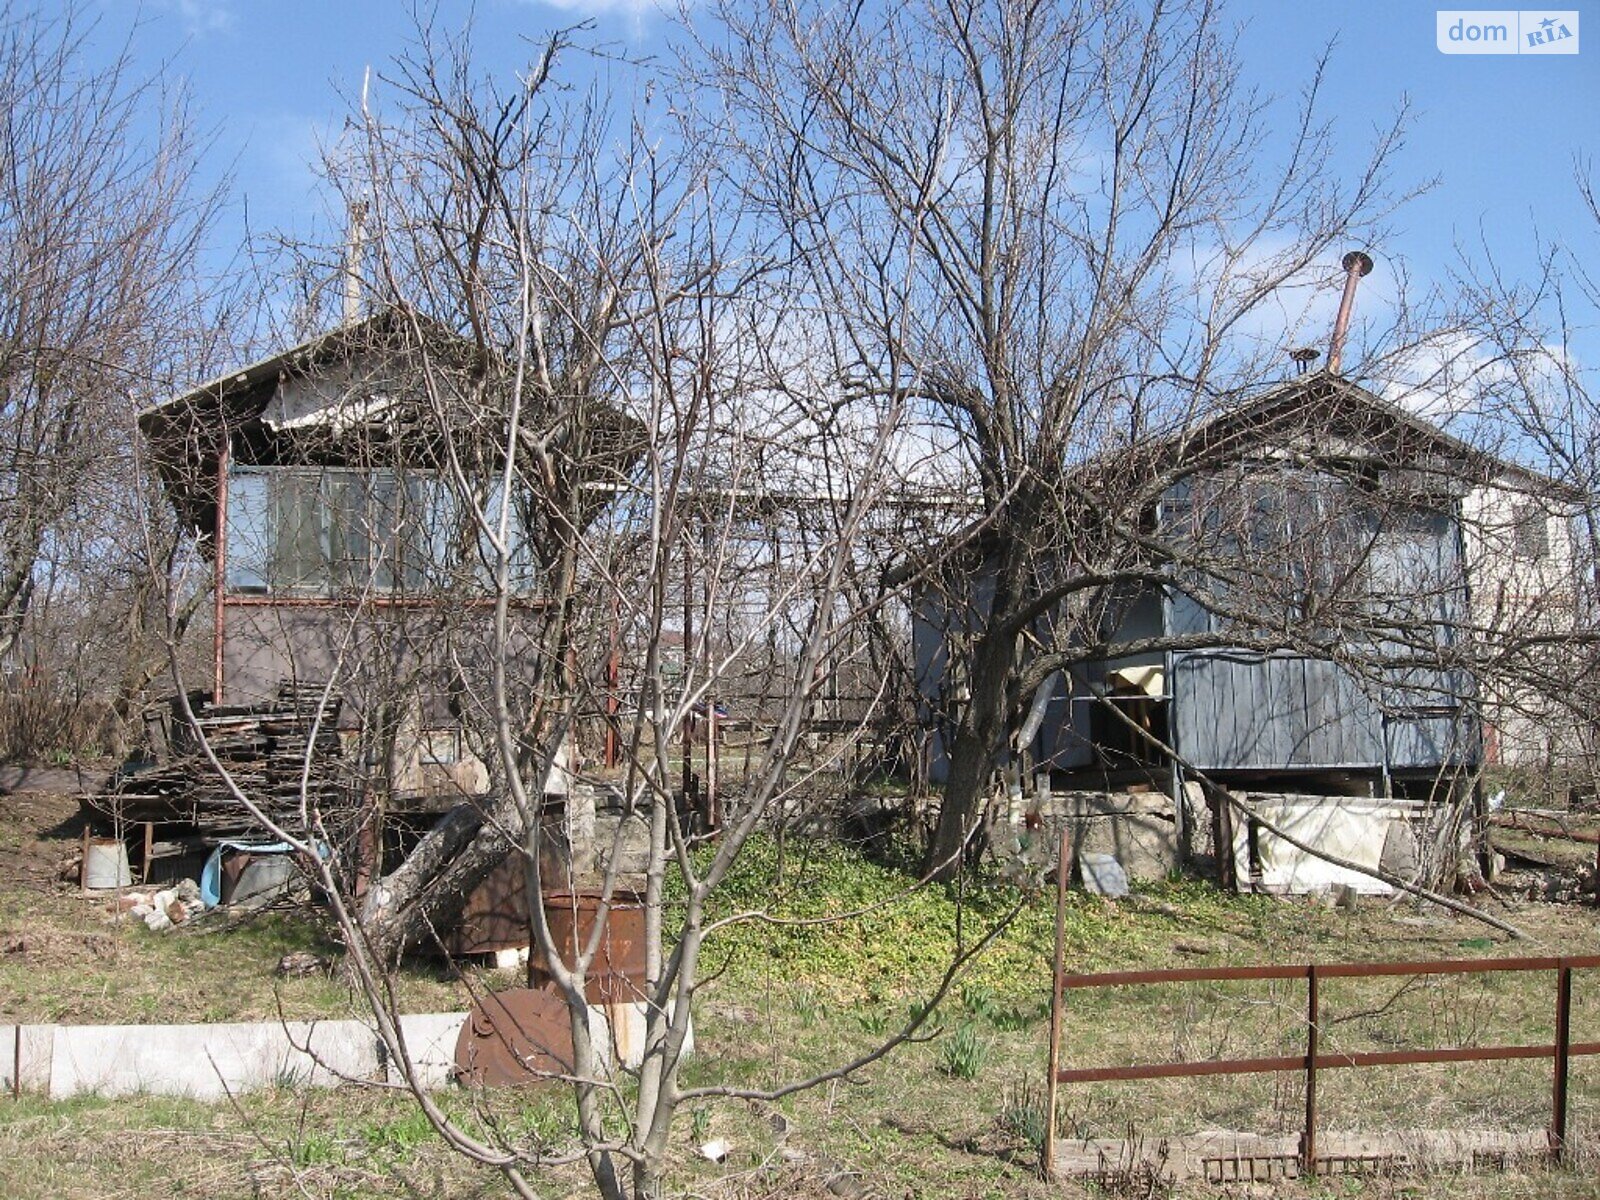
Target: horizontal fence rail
(1559, 1052)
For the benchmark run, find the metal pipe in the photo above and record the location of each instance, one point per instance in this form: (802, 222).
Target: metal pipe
(613, 681)
(713, 806)
(1563, 1051)
(1308, 1138)
(1047, 1152)
(355, 248)
(1356, 264)
(1284, 1063)
(219, 556)
(690, 800)
(1357, 970)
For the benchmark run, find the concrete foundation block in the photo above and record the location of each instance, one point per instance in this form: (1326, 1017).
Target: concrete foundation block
(431, 1045)
(33, 1044)
(208, 1062)
(1139, 830)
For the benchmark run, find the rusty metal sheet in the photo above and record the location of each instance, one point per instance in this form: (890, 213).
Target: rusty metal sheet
(572, 917)
(495, 915)
(515, 1037)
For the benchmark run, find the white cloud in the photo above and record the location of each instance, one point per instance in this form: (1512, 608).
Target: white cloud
(1459, 375)
(637, 9)
(202, 17)
(1442, 377)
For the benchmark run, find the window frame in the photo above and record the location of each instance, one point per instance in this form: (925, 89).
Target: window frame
(420, 549)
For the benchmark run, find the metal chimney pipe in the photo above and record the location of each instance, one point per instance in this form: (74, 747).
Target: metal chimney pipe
(1356, 264)
(355, 247)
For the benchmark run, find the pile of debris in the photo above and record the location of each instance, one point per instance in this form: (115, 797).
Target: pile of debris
(1547, 854)
(265, 748)
(161, 910)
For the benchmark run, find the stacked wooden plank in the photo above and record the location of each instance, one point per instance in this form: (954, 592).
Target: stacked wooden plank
(264, 749)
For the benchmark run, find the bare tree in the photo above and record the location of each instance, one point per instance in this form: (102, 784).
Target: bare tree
(1053, 232)
(100, 221)
(997, 247)
(568, 406)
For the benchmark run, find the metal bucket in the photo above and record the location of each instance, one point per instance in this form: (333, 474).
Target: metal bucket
(105, 865)
(259, 875)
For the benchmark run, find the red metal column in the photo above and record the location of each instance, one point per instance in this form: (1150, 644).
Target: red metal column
(1308, 1138)
(1558, 1114)
(713, 803)
(1047, 1152)
(690, 797)
(613, 680)
(219, 554)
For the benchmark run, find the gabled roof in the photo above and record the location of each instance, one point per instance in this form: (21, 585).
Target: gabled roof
(1315, 412)
(1289, 420)
(188, 433)
(172, 427)
(388, 327)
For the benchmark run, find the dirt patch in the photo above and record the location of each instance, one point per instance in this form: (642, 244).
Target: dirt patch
(39, 831)
(55, 948)
(69, 781)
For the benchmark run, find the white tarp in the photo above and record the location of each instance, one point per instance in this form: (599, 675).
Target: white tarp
(1351, 828)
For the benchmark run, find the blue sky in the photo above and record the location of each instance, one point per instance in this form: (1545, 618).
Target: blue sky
(1499, 133)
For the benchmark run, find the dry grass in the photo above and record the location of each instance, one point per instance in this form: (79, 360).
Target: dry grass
(313, 1144)
(904, 1127)
(65, 959)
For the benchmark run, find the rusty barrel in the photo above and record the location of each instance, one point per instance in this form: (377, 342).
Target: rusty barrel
(617, 973)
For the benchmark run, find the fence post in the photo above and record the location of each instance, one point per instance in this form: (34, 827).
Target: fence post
(1047, 1152)
(1308, 1137)
(1558, 1106)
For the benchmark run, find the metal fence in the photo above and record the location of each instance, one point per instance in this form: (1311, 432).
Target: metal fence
(1560, 1052)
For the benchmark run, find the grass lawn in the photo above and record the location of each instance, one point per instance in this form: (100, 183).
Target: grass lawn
(954, 1115)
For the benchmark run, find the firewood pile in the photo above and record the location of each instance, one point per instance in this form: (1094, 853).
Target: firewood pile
(264, 749)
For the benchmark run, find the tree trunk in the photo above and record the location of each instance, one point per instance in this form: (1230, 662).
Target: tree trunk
(427, 891)
(979, 737)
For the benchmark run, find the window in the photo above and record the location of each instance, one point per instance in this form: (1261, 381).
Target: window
(1306, 544)
(440, 747)
(1530, 530)
(248, 535)
(299, 531)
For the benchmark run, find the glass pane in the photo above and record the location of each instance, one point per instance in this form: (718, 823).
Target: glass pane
(300, 559)
(524, 566)
(344, 514)
(249, 533)
(521, 571)
(488, 561)
(426, 524)
(383, 517)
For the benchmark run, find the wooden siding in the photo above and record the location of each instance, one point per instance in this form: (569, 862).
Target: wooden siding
(1243, 712)
(1246, 712)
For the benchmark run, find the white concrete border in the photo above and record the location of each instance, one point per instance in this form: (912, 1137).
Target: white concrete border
(208, 1062)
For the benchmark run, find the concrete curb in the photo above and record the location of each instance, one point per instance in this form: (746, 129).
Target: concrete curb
(209, 1062)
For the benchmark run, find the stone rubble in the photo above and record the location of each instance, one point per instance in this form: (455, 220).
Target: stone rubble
(160, 910)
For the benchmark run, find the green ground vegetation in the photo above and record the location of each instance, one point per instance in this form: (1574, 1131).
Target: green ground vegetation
(957, 1112)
